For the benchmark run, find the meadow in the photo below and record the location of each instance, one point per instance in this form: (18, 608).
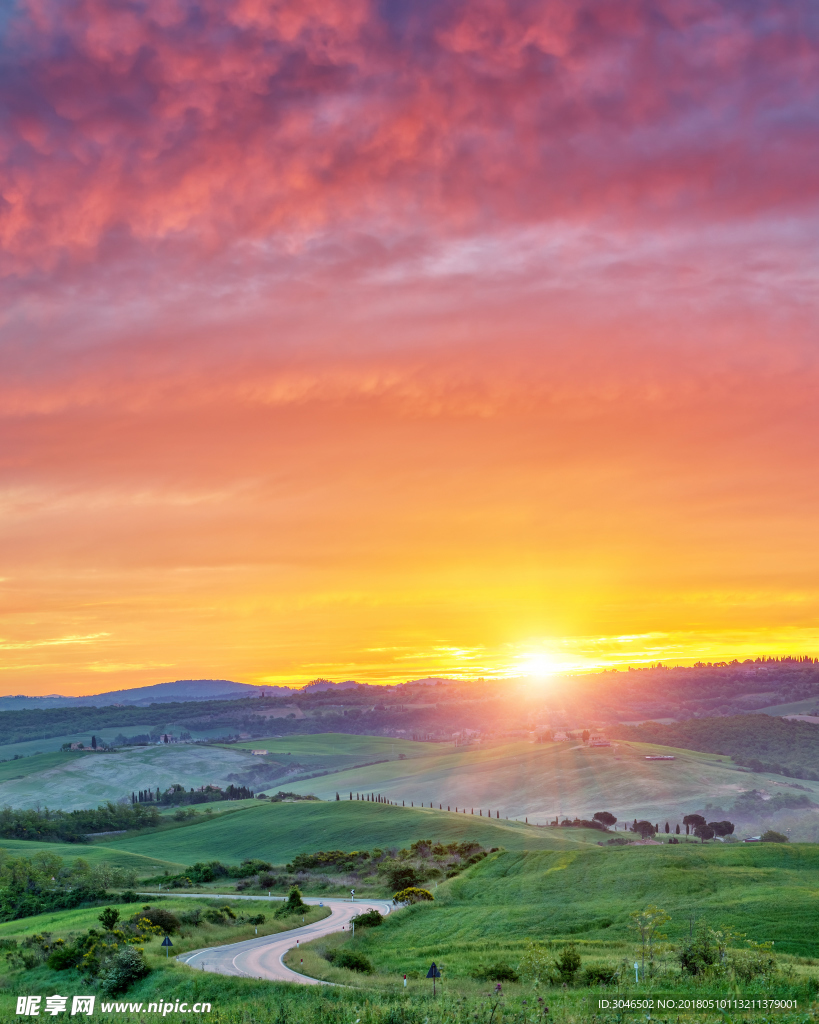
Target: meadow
(490, 913)
(276, 832)
(84, 780)
(544, 780)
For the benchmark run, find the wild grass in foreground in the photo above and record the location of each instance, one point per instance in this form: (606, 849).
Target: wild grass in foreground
(245, 1001)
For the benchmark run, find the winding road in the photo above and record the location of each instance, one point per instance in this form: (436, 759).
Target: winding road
(262, 957)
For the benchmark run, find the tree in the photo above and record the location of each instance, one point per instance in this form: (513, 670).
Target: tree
(667, 828)
(693, 820)
(294, 901)
(648, 923)
(93, 742)
(773, 837)
(722, 828)
(678, 830)
(703, 832)
(645, 828)
(108, 918)
(568, 963)
(585, 735)
(605, 818)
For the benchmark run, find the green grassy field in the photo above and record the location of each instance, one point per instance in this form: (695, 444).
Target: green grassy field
(77, 780)
(544, 780)
(587, 896)
(144, 864)
(276, 832)
(340, 745)
(584, 895)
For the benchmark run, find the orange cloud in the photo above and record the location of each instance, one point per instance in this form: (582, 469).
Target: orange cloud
(379, 340)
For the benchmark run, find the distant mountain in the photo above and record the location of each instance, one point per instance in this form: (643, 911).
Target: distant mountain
(160, 693)
(326, 684)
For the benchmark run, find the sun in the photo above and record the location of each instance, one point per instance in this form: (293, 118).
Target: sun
(539, 666)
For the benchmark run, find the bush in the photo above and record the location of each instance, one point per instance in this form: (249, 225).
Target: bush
(129, 896)
(62, 958)
(368, 920)
(159, 918)
(403, 876)
(294, 904)
(598, 975)
(258, 919)
(349, 960)
(412, 895)
(108, 918)
(568, 963)
(773, 837)
(498, 971)
(701, 955)
(125, 967)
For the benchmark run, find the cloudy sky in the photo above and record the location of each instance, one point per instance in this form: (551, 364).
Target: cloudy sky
(382, 339)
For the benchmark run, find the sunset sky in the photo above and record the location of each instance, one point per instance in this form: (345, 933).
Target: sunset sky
(383, 339)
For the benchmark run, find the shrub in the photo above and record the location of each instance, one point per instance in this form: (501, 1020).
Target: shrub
(129, 896)
(61, 958)
(349, 960)
(412, 895)
(159, 918)
(403, 876)
(368, 920)
(535, 964)
(597, 975)
(568, 963)
(701, 955)
(108, 918)
(294, 904)
(191, 916)
(498, 971)
(773, 837)
(258, 919)
(748, 964)
(125, 967)
(251, 867)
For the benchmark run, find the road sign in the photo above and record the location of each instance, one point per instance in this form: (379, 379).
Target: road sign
(166, 942)
(433, 973)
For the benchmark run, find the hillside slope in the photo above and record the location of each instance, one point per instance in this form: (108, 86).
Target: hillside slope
(542, 781)
(492, 910)
(277, 832)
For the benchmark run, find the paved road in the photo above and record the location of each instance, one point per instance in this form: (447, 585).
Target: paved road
(262, 957)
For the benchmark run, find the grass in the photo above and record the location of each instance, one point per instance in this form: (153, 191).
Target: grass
(584, 895)
(587, 896)
(86, 780)
(24, 766)
(276, 832)
(94, 853)
(544, 780)
(63, 923)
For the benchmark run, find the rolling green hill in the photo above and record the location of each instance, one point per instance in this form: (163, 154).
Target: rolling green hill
(586, 896)
(276, 832)
(79, 780)
(542, 781)
(143, 863)
(760, 742)
(72, 780)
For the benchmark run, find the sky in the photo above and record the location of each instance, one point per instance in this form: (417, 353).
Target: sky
(386, 339)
